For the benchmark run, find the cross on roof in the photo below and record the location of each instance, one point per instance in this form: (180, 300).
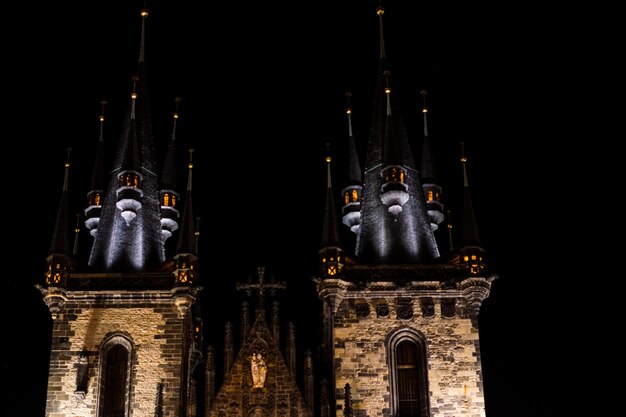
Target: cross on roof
(261, 287)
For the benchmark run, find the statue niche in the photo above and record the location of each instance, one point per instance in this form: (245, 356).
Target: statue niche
(258, 368)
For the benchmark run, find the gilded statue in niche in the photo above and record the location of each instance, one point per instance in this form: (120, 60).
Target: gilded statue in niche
(258, 367)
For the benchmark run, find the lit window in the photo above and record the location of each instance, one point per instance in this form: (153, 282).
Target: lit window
(355, 196)
(430, 195)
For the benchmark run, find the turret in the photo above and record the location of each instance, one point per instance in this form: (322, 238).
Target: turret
(331, 254)
(129, 191)
(95, 196)
(58, 259)
(168, 197)
(351, 209)
(430, 184)
(472, 255)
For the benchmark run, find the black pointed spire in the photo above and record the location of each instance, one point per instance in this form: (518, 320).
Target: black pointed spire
(395, 227)
(428, 175)
(331, 252)
(129, 234)
(471, 252)
(470, 236)
(186, 260)
(352, 192)
(58, 255)
(167, 191)
(187, 238)
(95, 196)
(60, 236)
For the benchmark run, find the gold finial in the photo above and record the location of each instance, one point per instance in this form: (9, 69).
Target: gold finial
(67, 161)
(380, 10)
(190, 158)
(328, 159)
(424, 93)
(133, 94)
(197, 232)
(77, 227)
(463, 157)
(386, 73)
(144, 12)
(348, 109)
(103, 103)
(177, 100)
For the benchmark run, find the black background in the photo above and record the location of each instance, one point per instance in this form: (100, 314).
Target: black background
(262, 89)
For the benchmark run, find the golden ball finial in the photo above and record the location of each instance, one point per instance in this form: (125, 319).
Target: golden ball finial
(144, 12)
(328, 159)
(380, 10)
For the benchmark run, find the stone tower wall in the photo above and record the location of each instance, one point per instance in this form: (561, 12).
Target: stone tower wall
(155, 332)
(361, 359)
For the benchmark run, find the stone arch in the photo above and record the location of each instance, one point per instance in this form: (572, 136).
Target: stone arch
(408, 373)
(116, 358)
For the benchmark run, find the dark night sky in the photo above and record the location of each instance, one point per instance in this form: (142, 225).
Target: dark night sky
(262, 89)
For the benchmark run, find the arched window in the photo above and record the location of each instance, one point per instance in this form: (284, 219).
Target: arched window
(115, 377)
(408, 371)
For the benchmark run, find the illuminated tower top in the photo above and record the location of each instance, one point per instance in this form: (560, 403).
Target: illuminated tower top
(395, 227)
(129, 231)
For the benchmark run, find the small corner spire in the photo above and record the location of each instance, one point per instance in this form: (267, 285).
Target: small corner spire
(67, 169)
(76, 234)
(190, 166)
(103, 103)
(472, 254)
(450, 242)
(424, 93)
(388, 92)
(144, 14)
(349, 112)
(463, 162)
(175, 117)
(380, 11)
(328, 160)
(133, 97)
(197, 233)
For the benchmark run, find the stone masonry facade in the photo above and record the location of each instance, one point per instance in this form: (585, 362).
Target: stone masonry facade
(364, 320)
(149, 321)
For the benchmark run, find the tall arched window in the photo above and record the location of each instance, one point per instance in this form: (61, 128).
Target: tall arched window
(408, 374)
(115, 377)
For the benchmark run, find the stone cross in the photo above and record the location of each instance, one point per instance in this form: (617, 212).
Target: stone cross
(261, 286)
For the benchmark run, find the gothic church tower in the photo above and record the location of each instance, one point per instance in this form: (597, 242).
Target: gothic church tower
(400, 317)
(126, 334)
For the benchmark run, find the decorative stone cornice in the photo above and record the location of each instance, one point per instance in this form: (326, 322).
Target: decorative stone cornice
(55, 298)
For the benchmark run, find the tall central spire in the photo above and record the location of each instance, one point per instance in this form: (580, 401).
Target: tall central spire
(129, 230)
(395, 227)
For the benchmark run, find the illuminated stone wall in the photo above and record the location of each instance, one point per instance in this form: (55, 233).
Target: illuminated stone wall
(156, 334)
(360, 349)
